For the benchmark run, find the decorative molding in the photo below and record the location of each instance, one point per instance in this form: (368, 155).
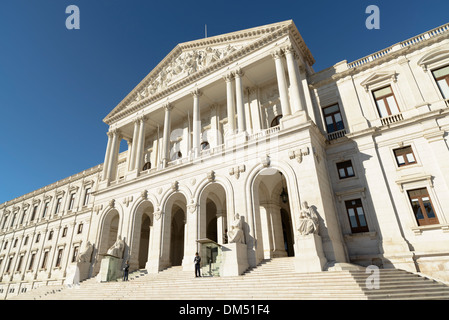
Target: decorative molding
(298, 154)
(237, 170)
(127, 200)
(211, 176)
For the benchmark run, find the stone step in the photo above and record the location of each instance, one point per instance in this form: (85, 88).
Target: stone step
(274, 280)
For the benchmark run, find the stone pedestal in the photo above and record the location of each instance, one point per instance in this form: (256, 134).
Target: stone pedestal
(77, 272)
(234, 259)
(309, 255)
(110, 269)
(293, 120)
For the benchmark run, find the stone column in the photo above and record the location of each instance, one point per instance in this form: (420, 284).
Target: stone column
(129, 153)
(230, 102)
(166, 139)
(134, 149)
(140, 144)
(106, 157)
(196, 122)
(293, 74)
(239, 99)
(113, 154)
(282, 82)
(220, 226)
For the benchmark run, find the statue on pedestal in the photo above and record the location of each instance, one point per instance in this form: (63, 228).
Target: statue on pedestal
(308, 220)
(117, 248)
(86, 256)
(236, 234)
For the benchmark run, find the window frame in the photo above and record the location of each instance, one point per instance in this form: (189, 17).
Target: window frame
(446, 77)
(340, 165)
(359, 204)
(384, 98)
(426, 221)
(404, 154)
(332, 115)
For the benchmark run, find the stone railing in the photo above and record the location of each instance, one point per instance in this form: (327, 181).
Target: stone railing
(407, 43)
(264, 133)
(336, 134)
(391, 119)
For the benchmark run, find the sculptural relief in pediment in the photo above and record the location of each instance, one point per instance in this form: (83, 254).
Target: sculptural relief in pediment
(183, 65)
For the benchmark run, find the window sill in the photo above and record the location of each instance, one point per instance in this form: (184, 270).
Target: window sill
(371, 235)
(418, 230)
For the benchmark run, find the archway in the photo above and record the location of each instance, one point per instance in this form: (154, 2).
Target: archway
(109, 231)
(177, 235)
(141, 235)
(213, 213)
(174, 230)
(272, 215)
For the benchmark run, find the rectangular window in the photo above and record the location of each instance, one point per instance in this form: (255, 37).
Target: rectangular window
(442, 78)
(23, 216)
(404, 156)
(30, 266)
(45, 209)
(44, 260)
(19, 264)
(356, 216)
(58, 205)
(33, 215)
(332, 116)
(75, 254)
(86, 197)
(345, 169)
(422, 207)
(59, 258)
(64, 232)
(80, 228)
(386, 102)
(72, 201)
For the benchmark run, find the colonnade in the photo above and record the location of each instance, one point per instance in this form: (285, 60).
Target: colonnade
(291, 85)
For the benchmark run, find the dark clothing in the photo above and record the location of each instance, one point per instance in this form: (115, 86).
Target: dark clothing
(126, 272)
(197, 262)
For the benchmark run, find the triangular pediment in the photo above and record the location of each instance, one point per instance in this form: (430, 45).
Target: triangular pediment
(189, 60)
(377, 78)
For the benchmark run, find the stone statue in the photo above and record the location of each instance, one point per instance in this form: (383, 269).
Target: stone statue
(86, 256)
(236, 234)
(308, 220)
(117, 248)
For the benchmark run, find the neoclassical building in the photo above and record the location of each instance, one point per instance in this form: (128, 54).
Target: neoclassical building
(242, 124)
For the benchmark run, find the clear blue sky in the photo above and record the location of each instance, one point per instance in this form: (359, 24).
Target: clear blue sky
(57, 85)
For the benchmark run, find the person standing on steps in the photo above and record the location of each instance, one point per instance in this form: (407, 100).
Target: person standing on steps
(197, 261)
(126, 271)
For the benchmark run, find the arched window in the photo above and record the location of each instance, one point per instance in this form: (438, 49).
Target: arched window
(276, 121)
(147, 166)
(205, 145)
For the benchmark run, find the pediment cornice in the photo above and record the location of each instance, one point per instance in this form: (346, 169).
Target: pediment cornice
(190, 61)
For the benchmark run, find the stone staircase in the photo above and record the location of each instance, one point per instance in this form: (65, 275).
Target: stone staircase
(271, 280)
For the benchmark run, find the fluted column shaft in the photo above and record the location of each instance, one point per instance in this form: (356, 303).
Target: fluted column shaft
(166, 137)
(282, 83)
(295, 85)
(140, 144)
(132, 164)
(239, 101)
(107, 156)
(230, 102)
(196, 122)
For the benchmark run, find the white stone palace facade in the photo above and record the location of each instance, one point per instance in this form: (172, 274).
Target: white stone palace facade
(241, 124)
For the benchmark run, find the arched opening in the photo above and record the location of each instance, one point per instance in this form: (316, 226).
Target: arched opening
(108, 236)
(141, 235)
(177, 236)
(144, 240)
(213, 213)
(273, 221)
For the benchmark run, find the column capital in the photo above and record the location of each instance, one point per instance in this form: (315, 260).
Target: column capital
(228, 77)
(167, 106)
(277, 53)
(239, 73)
(290, 50)
(196, 93)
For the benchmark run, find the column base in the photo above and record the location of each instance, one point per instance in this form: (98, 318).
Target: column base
(292, 120)
(110, 269)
